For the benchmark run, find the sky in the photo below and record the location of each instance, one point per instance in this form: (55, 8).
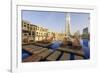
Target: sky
(55, 21)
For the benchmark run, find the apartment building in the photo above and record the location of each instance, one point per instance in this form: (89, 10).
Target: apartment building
(25, 32)
(40, 33)
(59, 36)
(32, 33)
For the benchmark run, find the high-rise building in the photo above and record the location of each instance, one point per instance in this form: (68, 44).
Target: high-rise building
(85, 33)
(67, 25)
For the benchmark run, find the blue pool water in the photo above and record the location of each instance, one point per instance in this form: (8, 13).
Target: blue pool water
(25, 54)
(55, 45)
(86, 48)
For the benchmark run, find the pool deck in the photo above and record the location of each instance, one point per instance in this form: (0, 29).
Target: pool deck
(72, 50)
(46, 54)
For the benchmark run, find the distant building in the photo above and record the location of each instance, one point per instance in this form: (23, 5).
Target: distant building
(77, 34)
(85, 30)
(67, 25)
(28, 32)
(40, 33)
(32, 33)
(32, 30)
(24, 38)
(59, 36)
(25, 32)
(85, 33)
(25, 25)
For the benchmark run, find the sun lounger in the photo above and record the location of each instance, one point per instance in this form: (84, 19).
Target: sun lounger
(78, 57)
(54, 56)
(65, 56)
(46, 53)
(39, 51)
(33, 58)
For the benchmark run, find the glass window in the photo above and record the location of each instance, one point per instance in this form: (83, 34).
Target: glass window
(29, 33)
(24, 25)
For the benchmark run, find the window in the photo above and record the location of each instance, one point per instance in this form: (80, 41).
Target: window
(25, 34)
(30, 27)
(24, 25)
(29, 33)
(33, 33)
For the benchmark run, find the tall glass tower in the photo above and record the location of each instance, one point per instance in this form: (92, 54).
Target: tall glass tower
(67, 25)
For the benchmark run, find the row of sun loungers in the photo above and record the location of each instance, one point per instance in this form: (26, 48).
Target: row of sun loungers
(39, 54)
(52, 57)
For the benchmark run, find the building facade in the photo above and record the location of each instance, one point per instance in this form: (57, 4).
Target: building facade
(59, 36)
(85, 33)
(40, 33)
(25, 32)
(32, 33)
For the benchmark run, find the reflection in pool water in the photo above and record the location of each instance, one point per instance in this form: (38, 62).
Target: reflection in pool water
(86, 48)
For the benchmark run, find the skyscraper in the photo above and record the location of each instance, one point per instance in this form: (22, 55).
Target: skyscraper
(67, 25)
